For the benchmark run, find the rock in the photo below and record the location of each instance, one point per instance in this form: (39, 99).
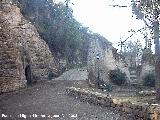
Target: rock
(138, 110)
(23, 55)
(108, 60)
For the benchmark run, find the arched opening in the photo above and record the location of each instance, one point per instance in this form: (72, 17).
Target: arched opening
(28, 74)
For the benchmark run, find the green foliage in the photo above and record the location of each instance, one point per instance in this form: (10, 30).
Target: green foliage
(136, 11)
(145, 8)
(117, 77)
(57, 26)
(149, 80)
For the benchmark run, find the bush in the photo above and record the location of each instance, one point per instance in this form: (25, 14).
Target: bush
(117, 77)
(149, 80)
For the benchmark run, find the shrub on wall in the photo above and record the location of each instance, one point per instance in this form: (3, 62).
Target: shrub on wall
(117, 77)
(149, 80)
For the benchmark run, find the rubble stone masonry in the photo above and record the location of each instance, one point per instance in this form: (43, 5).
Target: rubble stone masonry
(22, 52)
(11, 77)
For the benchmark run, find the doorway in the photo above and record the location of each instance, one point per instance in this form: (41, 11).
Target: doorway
(28, 74)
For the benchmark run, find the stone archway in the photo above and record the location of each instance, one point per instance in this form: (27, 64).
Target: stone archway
(28, 74)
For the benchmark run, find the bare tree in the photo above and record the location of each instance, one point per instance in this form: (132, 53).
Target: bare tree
(148, 11)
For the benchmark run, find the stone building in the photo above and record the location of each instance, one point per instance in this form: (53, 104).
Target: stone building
(24, 56)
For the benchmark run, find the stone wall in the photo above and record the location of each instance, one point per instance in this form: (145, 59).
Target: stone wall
(109, 59)
(22, 48)
(140, 111)
(11, 69)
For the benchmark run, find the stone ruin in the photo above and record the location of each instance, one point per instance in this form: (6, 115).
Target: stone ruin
(109, 60)
(24, 56)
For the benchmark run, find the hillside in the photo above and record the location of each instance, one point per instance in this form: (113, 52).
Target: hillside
(66, 37)
(67, 44)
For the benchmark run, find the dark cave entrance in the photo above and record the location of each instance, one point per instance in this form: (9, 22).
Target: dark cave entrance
(28, 74)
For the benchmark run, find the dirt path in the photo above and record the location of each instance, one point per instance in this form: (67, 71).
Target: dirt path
(49, 98)
(74, 74)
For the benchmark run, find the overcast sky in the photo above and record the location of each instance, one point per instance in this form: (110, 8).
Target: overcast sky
(111, 22)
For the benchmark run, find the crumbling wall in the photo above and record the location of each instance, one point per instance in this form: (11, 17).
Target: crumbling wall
(107, 61)
(138, 110)
(11, 69)
(21, 47)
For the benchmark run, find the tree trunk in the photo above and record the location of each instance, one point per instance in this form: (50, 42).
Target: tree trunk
(157, 58)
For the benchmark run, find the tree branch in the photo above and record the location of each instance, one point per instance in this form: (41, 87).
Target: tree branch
(134, 33)
(150, 27)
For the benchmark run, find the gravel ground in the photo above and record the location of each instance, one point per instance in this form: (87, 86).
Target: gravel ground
(49, 98)
(74, 74)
